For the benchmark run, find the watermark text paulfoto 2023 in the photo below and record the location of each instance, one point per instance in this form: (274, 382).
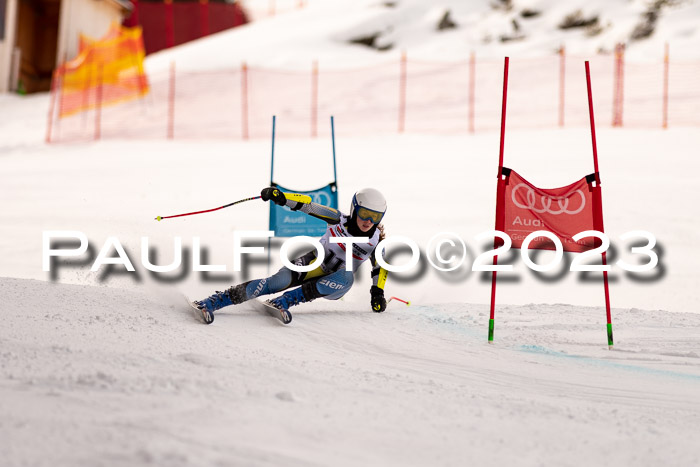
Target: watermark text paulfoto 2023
(442, 244)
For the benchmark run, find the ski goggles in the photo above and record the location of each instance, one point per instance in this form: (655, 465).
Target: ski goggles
(369, 214)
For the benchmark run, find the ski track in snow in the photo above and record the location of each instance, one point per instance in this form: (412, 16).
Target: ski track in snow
(102, 376)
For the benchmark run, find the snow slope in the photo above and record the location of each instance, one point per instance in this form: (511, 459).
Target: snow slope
(323, 30)
(103, 376)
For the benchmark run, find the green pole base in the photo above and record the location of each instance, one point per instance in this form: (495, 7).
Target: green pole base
(610, 335)
(491, 331)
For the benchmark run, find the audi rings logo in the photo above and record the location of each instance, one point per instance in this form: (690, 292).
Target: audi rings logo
(321, 197)
(547, 203)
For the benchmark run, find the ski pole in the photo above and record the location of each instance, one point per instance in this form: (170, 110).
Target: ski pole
(159, 218)
(408, 303)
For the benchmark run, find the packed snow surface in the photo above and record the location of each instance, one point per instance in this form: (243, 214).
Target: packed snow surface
(105, 376)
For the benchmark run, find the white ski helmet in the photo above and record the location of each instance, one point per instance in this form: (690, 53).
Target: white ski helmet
(368, 204)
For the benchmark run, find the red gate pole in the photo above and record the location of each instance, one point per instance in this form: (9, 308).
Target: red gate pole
(472, 89)
(402, 93)
(500, 166)
(98, 103)
(244, 100)
(314, 99)
(597, 176)
(171, 102)
(562, 80)
(665, 102)
(503, 113)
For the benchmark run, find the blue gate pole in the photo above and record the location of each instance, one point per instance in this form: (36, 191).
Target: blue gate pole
(335, 173)
(272, 161)
(272, 172)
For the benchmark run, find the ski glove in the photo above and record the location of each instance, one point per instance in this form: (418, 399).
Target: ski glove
(273, 194)
(378, 300)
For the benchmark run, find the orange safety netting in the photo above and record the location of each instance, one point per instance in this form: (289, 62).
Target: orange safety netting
(106, 71)
(406, 96)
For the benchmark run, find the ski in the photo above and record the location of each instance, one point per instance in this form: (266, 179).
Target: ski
(207, 317)
(284, 316)
(203, 316)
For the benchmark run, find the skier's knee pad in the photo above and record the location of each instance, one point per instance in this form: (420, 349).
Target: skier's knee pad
(335, 285)
(269, 285)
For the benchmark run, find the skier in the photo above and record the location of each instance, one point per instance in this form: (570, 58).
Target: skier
(329, 280)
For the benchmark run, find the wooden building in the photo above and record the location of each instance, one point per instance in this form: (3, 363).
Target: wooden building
(37, 35)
